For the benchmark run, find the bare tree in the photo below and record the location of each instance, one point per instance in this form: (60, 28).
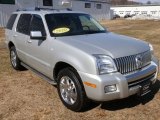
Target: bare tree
(123, 2)
(149, 2)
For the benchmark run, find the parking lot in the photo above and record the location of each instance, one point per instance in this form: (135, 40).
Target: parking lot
(25, 96)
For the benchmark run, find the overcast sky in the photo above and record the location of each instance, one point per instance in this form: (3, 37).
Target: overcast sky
(144, 1)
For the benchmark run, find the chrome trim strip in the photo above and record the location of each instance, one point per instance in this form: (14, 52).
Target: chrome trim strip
(141, 74)
(141, 80)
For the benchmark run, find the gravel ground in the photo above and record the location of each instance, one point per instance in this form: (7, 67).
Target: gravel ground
(24, 96)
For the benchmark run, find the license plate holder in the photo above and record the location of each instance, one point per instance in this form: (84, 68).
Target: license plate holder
(145, 89)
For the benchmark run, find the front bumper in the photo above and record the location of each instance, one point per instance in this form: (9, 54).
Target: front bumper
(126, 84)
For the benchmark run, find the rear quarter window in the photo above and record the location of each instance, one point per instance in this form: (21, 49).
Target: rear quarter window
(11, 21)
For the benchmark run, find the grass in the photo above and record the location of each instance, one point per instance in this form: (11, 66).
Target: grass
(24, 96)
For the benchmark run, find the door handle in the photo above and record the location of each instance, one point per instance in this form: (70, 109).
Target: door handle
(29, 41)
(15, 35)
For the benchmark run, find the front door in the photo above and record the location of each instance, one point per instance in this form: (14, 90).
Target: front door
(37, 49)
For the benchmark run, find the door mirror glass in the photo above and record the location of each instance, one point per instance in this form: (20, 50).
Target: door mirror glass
(37, 35)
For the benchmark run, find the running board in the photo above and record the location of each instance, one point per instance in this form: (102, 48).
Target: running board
(53, 82)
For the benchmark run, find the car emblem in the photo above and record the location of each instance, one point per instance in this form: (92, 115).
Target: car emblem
(139, 61)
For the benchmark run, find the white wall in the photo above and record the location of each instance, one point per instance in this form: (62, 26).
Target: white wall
(22, 4)
(139, 10)
(5, 12)
(99, 14)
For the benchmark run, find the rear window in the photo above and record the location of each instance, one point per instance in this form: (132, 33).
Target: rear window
(11, 21)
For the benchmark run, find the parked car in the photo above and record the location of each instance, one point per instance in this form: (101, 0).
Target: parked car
(116, 16)
(127, 16)
(73, 51)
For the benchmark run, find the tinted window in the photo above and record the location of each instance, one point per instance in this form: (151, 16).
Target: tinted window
(24, 23)
(72, 24)
(11, 21)
(7, 1)
(47, 3)
(99, 6)
(37, 24)
(87, 5)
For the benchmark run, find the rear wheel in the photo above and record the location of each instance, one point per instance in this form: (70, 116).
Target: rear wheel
(70, 90)
(15, 61)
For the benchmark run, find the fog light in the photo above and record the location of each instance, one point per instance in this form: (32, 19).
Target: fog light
(110, 88)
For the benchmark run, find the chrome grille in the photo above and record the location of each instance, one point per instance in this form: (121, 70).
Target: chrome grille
(128, 64)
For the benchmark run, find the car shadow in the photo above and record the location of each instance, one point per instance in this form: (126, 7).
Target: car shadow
(131, 101)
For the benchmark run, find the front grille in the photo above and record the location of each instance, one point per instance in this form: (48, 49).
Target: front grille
(128, 64)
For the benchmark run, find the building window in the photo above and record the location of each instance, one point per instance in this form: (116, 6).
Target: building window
(154, 12)
(128, 12)
(47, 3)
(7, 1)
(121, 12)
(143, 12)
(136, 12)
(87, 5)
(99, 6)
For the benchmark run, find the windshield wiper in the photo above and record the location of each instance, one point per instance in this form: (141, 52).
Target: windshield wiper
(93, 32)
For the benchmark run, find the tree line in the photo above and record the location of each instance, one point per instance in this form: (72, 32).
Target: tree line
(126, 2)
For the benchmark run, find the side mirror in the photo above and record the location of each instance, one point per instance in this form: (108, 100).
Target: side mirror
(37, 35)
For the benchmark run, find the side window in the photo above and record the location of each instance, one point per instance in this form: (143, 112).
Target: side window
(37, 24)
(11, 21)
(24, 23)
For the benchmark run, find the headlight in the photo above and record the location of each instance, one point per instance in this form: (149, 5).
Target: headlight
(151, 48)
(105, 64)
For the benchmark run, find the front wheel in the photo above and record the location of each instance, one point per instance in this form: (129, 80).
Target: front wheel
(70, 90)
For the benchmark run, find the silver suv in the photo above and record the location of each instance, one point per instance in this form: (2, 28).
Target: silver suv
(87, 62)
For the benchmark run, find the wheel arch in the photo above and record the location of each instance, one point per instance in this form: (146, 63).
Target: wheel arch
(62, 65)
(59, 66)
(10, 44)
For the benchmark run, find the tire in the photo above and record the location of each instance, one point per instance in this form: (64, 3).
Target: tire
(70, 90)
(15, 61)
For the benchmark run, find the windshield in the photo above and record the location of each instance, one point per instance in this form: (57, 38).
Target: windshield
(72, 24)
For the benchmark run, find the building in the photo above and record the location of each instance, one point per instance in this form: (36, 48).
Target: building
(100, 9)
(139, 10)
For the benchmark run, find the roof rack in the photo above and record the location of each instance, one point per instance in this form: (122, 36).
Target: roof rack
(21, 10)
(38, 9)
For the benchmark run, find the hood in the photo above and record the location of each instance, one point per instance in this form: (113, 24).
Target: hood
(110, 44)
